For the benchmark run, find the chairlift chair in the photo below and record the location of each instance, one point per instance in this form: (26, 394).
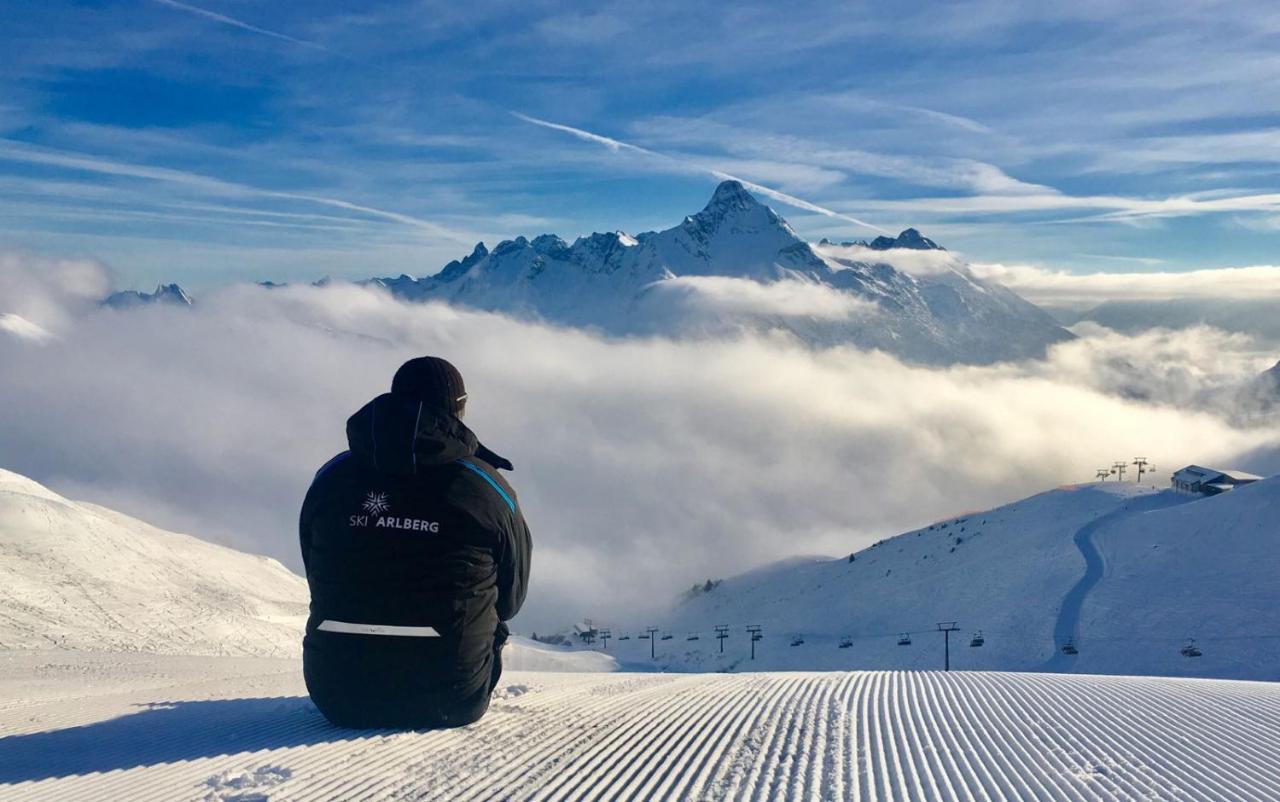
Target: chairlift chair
(846, 642)
(978, 640)
(905, 639)
(1070, 648)
(643, 637)
(797, 641)
(667, 636)
(1190, 650)
(625, 637)
(692, 636)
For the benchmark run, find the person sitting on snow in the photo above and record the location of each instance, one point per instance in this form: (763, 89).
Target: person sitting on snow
(417, 555)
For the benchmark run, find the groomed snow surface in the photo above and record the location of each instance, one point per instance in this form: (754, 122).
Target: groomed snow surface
(96, 727)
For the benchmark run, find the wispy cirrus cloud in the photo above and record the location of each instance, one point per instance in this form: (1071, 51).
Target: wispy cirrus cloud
(990, 190)
(711, 135)
(16, 151)
(1115, 208)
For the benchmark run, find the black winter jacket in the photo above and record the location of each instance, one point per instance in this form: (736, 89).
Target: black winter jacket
(416, 552)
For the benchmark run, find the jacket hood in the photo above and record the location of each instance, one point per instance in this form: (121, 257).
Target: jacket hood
(400, 436)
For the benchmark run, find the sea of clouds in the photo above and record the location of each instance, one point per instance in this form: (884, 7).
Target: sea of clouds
(642, 464)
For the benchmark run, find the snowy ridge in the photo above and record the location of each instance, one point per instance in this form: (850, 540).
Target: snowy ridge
(737, 266)
(523, 654)
(1168, 567)
(229, 729)
(79, 576)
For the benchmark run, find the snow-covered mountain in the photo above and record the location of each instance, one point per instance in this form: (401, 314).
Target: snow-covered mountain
(910, 239)
(736, 265)
(78, 576)
(164, 294)
(1128, 573)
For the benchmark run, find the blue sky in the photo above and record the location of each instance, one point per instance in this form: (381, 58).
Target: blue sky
(229, 140)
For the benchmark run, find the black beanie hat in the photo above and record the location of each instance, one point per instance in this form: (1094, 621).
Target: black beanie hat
(433, 381)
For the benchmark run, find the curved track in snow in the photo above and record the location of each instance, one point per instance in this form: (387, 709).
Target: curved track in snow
(1067, 626)
(161, 729)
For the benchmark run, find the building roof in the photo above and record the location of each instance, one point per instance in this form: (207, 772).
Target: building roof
(1195, 473)
(1199, 473)
(1241, 476)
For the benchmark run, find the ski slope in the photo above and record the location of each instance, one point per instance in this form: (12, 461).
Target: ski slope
(93, 727)
(1129, 573)
(79, 576)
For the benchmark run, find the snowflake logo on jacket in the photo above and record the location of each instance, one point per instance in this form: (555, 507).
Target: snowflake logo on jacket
(376, 503)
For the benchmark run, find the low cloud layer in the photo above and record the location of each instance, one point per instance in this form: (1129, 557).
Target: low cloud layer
(908, 260)
(643, 465)
(42, 295)
(1060, 288)
(719, 298)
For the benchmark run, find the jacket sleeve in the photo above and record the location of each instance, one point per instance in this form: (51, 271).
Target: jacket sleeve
(513, 559)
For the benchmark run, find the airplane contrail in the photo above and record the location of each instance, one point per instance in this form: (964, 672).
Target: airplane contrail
(685, 165)
(232, 21)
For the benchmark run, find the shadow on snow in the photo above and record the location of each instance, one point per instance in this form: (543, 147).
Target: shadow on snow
(166, 732)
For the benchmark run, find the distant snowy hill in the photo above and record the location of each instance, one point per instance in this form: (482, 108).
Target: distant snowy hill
(1128, 573)
(79, 576)
(1254, 317)
(1262, 395)
(736, 265)
(18, 326)
(523, 654)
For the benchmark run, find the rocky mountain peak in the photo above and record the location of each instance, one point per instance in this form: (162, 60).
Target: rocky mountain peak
(731, 195)
(910, 239)
(164, 294)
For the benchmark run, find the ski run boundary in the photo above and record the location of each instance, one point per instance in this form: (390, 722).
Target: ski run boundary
(151, 728)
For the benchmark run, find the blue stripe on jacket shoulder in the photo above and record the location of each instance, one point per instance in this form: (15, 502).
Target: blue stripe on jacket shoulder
(480, 472)
(331, 463)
